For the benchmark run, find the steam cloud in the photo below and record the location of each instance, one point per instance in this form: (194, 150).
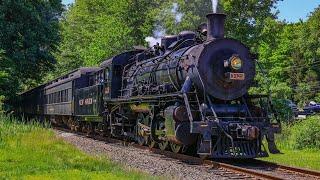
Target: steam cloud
(152, 40)
(157, 34)
(160, 31)
(215, 6)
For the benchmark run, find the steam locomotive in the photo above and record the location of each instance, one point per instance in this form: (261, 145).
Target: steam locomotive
(190, 92)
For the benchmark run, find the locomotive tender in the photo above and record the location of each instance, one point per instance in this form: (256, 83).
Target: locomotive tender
(187, 93)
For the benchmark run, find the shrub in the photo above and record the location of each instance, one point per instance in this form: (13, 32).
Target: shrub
(305, 133)
(284, 111)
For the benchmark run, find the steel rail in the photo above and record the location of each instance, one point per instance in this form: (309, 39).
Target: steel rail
(290, 168)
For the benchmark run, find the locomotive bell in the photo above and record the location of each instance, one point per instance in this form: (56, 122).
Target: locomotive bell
(203, 28)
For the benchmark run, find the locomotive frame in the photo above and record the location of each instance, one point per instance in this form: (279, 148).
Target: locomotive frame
(189, 94)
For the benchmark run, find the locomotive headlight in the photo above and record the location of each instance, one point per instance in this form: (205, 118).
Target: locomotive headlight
(236, 63)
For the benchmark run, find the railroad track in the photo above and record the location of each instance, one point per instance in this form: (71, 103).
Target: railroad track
(246, 169)
(278, 170)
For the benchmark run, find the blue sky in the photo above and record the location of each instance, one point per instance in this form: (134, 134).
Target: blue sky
(291, 10)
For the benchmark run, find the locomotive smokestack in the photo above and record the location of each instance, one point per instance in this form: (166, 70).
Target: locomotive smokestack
(215, 26)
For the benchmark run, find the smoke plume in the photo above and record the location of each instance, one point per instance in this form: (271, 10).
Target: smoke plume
(215, 6)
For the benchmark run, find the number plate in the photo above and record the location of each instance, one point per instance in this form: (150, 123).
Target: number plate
(237, 76)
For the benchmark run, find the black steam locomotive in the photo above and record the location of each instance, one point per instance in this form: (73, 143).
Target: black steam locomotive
(190, 92)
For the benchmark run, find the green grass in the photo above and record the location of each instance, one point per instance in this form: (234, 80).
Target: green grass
(29, 151)
(308, 158)
(299, 144)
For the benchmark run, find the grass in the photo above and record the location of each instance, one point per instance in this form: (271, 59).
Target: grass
(299, 144)
(29, 151)
(307, 158)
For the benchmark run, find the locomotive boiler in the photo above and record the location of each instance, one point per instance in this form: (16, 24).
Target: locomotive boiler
(191, 92)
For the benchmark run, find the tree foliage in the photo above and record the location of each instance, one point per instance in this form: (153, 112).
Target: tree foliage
(174, 16)
(289, 53)
(94, 30)
(29, 34)
(245, 19)
(91, 31)
(97, 29)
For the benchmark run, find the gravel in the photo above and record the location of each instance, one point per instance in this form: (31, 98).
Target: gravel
(145, 160)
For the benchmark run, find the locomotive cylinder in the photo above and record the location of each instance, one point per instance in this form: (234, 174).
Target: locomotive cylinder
(178, 126)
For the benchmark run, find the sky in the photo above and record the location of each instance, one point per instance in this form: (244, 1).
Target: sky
(290, 10)
(293, 10)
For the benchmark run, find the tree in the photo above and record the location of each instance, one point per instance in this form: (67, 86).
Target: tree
(245, 19)
(307, 52)
(95, 30)
(175, 16)
(289, 53)
(29, 35)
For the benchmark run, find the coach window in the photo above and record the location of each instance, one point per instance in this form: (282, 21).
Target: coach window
(56, 97)
(96, 80)
(101, 79)
(67, 95)
(106, 74)
(91, 80)
(62, 96)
